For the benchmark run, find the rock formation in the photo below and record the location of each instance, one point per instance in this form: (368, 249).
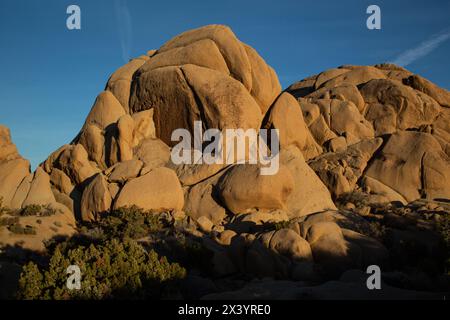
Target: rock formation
(379, 130)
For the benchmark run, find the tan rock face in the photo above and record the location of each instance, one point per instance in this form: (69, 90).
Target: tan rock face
(40, 192)
(243, 188)
(106, 111)
(13, 169)
(96, 198)
(340, 171)
(11, 175)
(125, 170)
(120, 81)
(392, 106)
(413, 164)
(211, 76)
(286, 116)
(73, 160)
(8, 150)
(441, 96)
(309, 194)
(352, 104)
(159, 189)
(200, 200)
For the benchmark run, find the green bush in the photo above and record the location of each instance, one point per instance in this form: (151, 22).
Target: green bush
(282, 225)
(128, 222)
(113, 269)
(30, 210)
(358, 198)
(3, 210)
(17, 228)
(8, 221)
(37, 210)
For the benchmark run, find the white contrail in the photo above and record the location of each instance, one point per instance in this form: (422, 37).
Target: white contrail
(125, 28)
(424, 48)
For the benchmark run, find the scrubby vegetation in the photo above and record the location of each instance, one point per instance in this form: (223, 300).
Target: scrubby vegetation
(8, 221)
(358, 198)
(3, 210)
(17, 228)
(128, 222)
(36, 210)
(112, 269)
(30, 210)
(120, 256)
(444, 231)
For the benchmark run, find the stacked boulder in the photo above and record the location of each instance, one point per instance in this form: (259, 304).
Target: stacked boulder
(383, 128)
(21, 190)
(121, 157)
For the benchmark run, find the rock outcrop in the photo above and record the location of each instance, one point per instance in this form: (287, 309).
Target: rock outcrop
(379, 131)
(404, 115)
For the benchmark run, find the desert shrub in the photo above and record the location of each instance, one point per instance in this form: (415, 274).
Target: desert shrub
(358, 198)
(128, 222)
(17, 228)
(113, 269)
(281, 225)
(8, 221)
(30, 210)
(377, 230)
(3, 210)
(37, 210)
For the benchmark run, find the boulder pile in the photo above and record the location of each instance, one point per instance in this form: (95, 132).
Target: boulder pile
(380, 130)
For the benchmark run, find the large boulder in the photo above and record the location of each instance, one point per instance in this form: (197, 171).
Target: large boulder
(200, 201)
(243, 188)
(8, 150)
(96, 198)
(414, 165)
(13, 168)
(40, 192)
(120, 81)
(157, 190)
(11, 175)
(392, 106)
(442, 96)
(340, 171)
(309, 194)
(330, 249)
(189, 76)
(286, 116)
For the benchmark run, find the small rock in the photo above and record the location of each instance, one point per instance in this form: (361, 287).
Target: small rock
(205, 224)
(178, 215)
(217, 228)
(350, 206)
(225, 237)
(364, 211)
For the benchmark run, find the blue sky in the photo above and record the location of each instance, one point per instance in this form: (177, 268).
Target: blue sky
(50, 76)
